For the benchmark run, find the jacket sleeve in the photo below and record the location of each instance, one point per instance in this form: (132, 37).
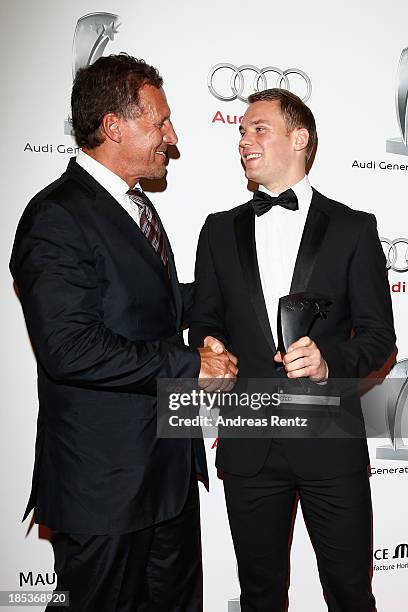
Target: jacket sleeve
(373, 339)
(53, 267)
(208, 310)
(187, 295)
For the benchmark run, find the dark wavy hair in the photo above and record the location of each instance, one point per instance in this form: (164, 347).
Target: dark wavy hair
(110, 85)
(295, 112)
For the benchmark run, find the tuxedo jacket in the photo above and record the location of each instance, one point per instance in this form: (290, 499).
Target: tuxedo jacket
(340, 256)
(104, 317)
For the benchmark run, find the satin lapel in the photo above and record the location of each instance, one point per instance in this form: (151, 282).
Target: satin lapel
(245, 237)
(313, 235)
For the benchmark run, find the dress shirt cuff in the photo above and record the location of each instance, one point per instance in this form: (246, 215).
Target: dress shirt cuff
(323, 381)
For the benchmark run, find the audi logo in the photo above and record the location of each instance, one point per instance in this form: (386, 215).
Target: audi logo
(396, 254)
(236, 79)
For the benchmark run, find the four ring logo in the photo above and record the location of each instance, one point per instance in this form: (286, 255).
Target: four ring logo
(223, 76)
(396, 254)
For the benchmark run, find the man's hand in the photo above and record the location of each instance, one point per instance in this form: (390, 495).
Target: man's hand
(217, 362)
(303, 359)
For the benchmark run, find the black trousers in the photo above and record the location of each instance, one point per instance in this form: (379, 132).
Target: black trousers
(157, 569)
(338, 516)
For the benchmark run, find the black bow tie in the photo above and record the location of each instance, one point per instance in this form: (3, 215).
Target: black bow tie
(262, 202)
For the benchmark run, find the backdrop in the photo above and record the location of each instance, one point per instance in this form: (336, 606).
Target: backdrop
(346, 59)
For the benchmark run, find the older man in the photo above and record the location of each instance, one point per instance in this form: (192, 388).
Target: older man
(104, 310)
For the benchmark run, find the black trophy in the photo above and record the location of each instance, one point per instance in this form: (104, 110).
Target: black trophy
(297, 314)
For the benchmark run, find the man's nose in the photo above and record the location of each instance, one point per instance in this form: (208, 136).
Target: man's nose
(245, 141)
(170, 136)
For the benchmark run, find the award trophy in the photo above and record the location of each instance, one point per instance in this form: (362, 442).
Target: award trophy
(396, 402)
(296, 316)
(400, 145)
(92, 34)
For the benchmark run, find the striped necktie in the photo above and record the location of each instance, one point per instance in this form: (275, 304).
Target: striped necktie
(149, 224)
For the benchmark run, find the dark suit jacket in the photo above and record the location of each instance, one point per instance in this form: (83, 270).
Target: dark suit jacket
(104, 318)
(339, 256)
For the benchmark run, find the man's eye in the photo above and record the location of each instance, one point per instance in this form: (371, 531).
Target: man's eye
(260, 129)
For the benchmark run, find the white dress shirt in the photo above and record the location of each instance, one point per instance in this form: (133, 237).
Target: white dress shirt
(278, 234)
(110, 181)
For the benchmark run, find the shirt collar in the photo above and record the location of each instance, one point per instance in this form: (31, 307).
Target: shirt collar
(113, 184)
(302, 189)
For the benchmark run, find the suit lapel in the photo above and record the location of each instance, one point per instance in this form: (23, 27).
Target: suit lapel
(117, 216)
(315, 229)
(245, 237)
(130, 230)
(172, 270)
(313, 235)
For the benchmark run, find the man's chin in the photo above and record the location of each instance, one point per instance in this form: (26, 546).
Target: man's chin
(157, 174)
(252, 176)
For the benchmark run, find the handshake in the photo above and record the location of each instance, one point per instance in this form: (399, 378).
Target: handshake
(303, 359)
(217, 363)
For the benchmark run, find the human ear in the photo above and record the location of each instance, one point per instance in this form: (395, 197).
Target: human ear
(301, 139)
(111, 127)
